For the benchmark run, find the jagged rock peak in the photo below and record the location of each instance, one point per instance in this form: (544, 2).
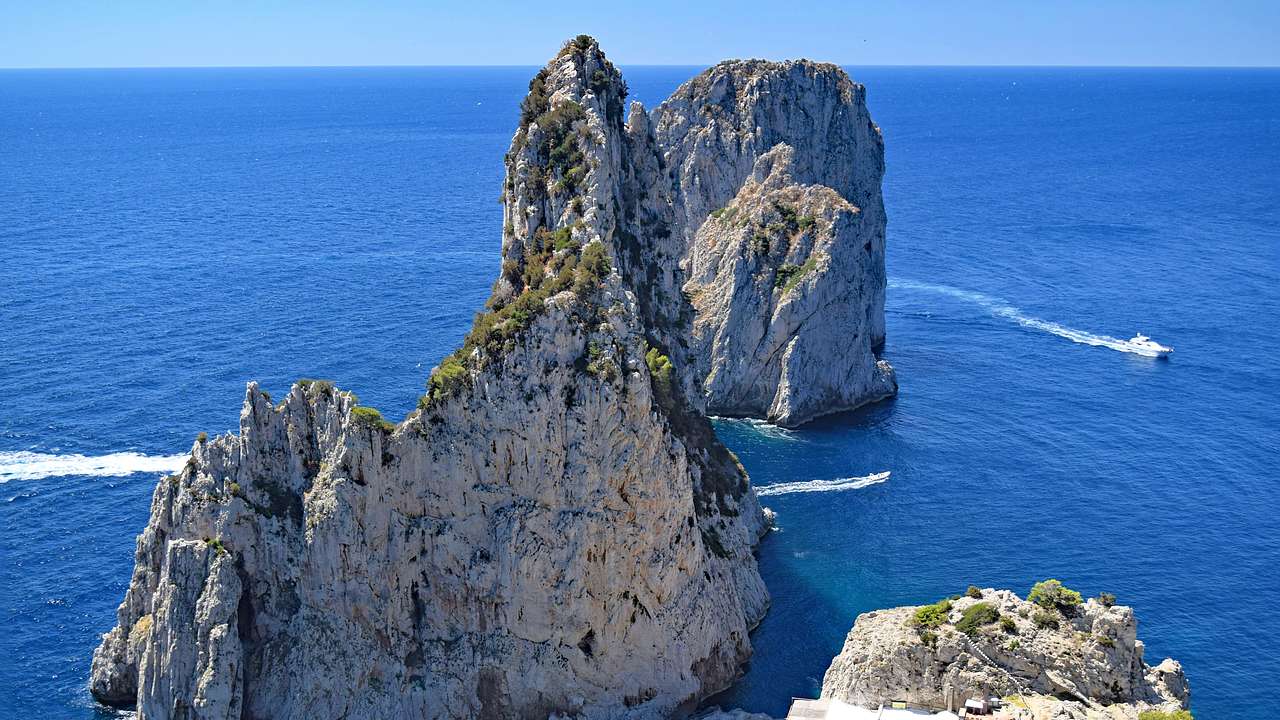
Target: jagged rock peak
(556, 528)
(561, 187)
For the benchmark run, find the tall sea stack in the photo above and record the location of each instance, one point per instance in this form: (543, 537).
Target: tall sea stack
(556, 528)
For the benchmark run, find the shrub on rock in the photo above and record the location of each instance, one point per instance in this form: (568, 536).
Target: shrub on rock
(1053, 595)
(976, 616)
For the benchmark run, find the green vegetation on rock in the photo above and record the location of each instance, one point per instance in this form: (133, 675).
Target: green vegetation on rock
(1044, 619)
(1163, 715)
(369, 417)
(789, 275)
(976, 616)
(660, 368)
(1053, 595)
(932, 616)
(316, 388)
(548, 272)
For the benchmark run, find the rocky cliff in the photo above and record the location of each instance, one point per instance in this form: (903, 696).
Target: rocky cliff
(775, 172)
(1057, 658)
(556, 528)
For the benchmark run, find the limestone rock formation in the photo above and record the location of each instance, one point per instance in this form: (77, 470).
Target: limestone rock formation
(1077, 662)
(789, 300)
(804, 261)
(556, 528)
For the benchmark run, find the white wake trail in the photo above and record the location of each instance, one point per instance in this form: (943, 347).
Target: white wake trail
(763, 427)
(808, 486)
(23, 465)
(1002, 309)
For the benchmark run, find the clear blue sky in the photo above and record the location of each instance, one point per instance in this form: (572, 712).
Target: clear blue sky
(167, 33)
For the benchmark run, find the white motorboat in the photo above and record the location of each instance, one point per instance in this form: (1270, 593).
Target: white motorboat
(1145, 345)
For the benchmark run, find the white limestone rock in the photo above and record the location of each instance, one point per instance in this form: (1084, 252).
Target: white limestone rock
(802, 259)
(742, 141)
(556, 530)
(1090, 666)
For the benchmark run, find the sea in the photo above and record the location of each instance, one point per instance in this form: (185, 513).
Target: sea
(168, 235)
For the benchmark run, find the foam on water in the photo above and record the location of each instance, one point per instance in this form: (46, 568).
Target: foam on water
(808, 486)
(23, 465)
(762, 427)
(1002, 309)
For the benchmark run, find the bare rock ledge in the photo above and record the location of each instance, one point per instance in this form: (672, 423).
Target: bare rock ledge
(1081, 661)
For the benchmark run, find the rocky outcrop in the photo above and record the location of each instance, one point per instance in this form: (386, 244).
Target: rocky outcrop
(784, 278)
(776, 172)
(1074, 661)
(556, 528)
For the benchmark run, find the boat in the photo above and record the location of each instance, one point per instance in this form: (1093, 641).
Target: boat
(1146, 346)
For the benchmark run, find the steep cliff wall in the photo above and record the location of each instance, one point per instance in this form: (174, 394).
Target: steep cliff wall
(556, 528)
(775, 172)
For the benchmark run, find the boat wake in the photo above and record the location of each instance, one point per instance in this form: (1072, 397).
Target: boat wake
(762, 427)
(1001, 309)
(23, 465)
(808, 486)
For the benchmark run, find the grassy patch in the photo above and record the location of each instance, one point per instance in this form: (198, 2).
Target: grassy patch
(789, 276)
(547, 273)
(931, 616)
(976, 616)
(369, 417)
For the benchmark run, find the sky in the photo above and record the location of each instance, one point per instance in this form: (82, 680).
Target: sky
(184, 33)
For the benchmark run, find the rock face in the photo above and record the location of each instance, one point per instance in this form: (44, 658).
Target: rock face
(556, 528)
(775, 173)
(1090, 665)
(783, 279)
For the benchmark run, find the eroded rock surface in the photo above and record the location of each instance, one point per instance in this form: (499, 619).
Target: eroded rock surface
(787, 281)
(744, 143)
(556, 529)
(1085, 663)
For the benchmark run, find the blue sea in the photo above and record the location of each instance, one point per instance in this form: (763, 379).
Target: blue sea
(168, 235)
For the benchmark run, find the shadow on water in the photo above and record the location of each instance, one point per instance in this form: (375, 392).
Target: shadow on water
(871, 415)
(795, 652)
(812, 608)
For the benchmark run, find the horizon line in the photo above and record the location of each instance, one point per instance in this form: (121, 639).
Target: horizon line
(634, 65)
